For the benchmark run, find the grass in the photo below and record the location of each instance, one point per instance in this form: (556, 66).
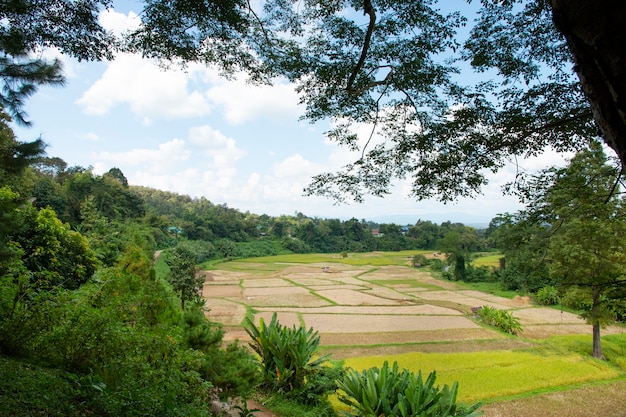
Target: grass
(22, 385)
(489, 259)
(401, 258)
(493, 375)
(494, 288)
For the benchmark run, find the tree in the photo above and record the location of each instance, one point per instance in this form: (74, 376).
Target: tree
(395, 70)
(16, 156)
(457, 243)
(28, 26)
(55, 255)
(585, 215)
(183, 276)
(524, 240)
(587, 247)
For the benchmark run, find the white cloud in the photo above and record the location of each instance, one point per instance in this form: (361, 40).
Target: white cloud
(149, 91)
(223, 150)
(202, 165)
(90, 136)
(119, 23)
(242, 102)
(295, 166)
(167, 154)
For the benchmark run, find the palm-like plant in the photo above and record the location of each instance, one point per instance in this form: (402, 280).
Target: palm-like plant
(286, 355)
(390, 392)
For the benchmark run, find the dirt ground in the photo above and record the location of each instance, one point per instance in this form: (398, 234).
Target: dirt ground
(351, 305)
(367, 311)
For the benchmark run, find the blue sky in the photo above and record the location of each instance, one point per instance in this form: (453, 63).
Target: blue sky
(194, 133)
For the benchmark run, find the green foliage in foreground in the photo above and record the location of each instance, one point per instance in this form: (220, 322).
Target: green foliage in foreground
(391, 392)
(285, 354)
(487, 375)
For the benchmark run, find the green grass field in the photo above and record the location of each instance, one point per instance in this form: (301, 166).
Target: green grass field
(401, 258)
(495, 375)
(491, 260)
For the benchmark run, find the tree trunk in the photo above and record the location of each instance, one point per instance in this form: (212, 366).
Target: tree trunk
(595, 321)
(596, 35)
(597, 343)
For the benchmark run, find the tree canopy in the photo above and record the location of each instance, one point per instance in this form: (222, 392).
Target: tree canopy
(444, 99)
(572, 237)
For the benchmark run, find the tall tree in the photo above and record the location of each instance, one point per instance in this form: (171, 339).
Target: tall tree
(15, 156)
(585, 210)
(183, 276)
(587, 248)
(524, 241)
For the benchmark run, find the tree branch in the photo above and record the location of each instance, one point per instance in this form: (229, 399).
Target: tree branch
(367, 9)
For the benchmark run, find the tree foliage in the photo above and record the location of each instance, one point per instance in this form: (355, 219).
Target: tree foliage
(394, 68)
(573, 234)
(183, 275)
(28, 26)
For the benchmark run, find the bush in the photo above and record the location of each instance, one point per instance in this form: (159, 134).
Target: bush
(437, 265)
(295, 245)
(501, 319)
(391, 392)
(420, 260)
(200, 249)
(479, 274)
(285, 354)
(548, 296)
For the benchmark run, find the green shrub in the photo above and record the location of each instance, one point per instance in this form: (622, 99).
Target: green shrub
(548, 296)
(479, 274)
(501, 319)
(390, 392)
(577, 299)
(420, 260)
(282, 405)
(285, 354)
(437, 265)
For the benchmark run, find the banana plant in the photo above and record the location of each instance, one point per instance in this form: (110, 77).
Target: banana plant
(286, 355)
(389, 391)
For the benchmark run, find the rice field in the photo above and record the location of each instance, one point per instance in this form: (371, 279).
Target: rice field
(374, 307)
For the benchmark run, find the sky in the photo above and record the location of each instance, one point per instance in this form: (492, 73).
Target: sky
(194, 133)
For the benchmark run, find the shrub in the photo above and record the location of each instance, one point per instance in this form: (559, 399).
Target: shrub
(420, 260)
(285, 354)
(501, 319)
(391, 392)
(548, 296)
(437, 265)
(479, 274)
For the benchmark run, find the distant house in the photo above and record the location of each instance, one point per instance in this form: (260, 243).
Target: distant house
(376, 233)
(175, 230)
(404, 230)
